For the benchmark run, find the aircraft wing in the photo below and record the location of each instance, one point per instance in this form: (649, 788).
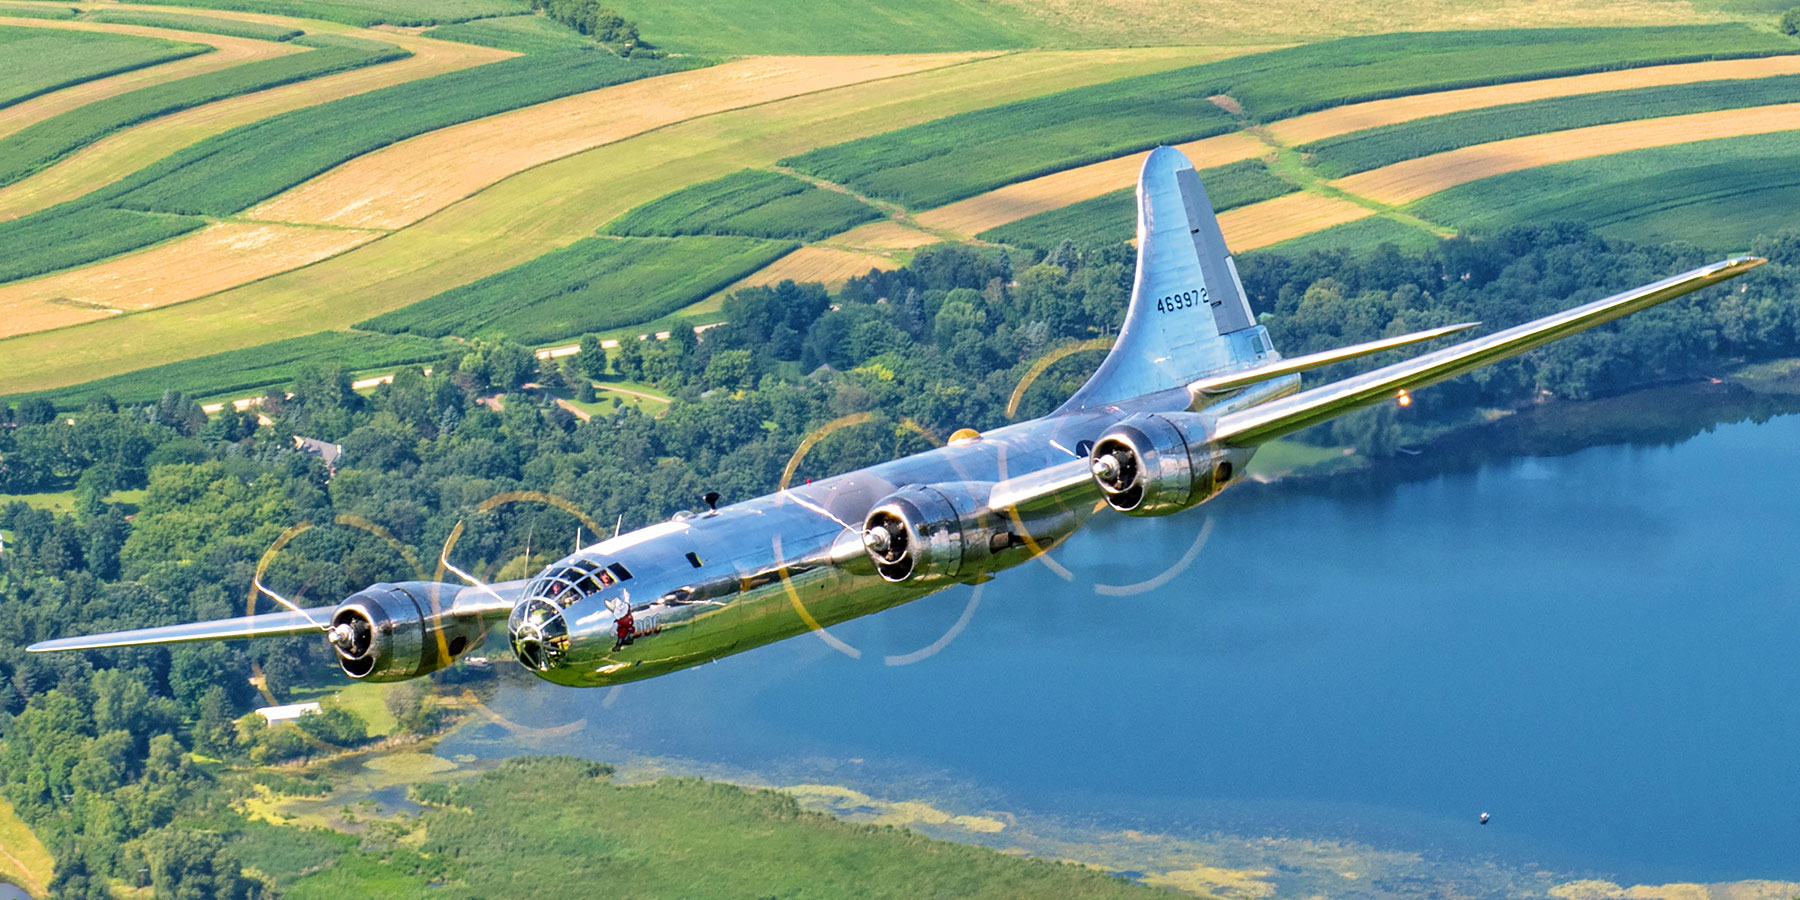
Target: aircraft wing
(265, 625)
(470, 603)
(1268, 421)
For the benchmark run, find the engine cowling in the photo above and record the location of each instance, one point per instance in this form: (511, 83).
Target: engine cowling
(932, 534)
(392, 632)
(1155, 464)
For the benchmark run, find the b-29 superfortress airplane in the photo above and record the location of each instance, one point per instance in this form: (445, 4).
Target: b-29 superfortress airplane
(1190, 389)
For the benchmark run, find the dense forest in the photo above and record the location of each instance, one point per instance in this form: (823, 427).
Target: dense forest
(124, 760)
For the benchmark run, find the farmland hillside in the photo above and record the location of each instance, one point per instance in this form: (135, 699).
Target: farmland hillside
(455, 192)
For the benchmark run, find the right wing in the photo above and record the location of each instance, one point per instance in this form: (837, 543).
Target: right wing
(1257, 424)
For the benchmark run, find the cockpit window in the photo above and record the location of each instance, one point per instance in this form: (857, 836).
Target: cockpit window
(620, 570)
(693, 559)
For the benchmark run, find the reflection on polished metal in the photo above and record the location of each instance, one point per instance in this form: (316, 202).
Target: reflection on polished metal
(1175, 411)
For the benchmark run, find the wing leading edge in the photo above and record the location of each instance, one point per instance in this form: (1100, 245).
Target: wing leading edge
(266, 625)
(1268, 421)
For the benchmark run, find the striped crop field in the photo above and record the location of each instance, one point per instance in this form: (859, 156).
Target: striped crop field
(399, 185)
(1359, 235)
(211, 24)
(112, 159)
(364, 13)
(544, 208)
(1379, 147)
(1412, 180)
(394, 188)
(1697, 192)
(592, 285)
(961, 156)
(217, 257)
(752, 203)
(521, 34)
(40, 56)
(1341, 120)
(41, 145)
(225, 174)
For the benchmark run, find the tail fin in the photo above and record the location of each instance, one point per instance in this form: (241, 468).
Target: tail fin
(1188, 315)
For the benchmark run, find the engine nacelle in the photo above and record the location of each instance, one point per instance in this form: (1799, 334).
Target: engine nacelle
(392, 632)
(1154, 464)
(933, 534)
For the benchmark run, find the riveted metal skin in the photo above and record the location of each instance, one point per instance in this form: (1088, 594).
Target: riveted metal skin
(392, 632)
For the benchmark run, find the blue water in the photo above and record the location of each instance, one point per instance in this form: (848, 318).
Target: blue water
(1600, 649)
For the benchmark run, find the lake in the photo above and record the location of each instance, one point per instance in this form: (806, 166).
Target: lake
(1597, 648)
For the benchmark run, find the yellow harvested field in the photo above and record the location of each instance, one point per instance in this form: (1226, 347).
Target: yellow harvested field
(23, 859)
(1407, 181)
(399, 185)
(114, 157)
(824, 264)
(229, 51)
(1356, 117)
(885, 234)
(1274, 221)
(217, 257)
(1027, 198)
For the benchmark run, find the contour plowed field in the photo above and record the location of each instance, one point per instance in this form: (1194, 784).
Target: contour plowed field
(112, 158)
(545, 208)
(212, 259)
(1026, 198)
(399, 185)
(230, 51)
(1416, 178)
(1345, 119)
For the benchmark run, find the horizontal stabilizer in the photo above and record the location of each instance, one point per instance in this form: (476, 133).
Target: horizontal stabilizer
(1258, 424)
(1231, 381)
(266, 625)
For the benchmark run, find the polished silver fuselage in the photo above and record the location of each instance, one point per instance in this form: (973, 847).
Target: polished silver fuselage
(779, 565)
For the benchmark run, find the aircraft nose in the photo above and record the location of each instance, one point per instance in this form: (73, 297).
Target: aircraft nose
(538, 633)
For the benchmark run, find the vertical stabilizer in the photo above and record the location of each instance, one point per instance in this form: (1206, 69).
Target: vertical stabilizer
(1188, 314)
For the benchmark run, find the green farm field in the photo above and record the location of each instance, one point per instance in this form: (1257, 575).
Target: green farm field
(37, 61)
(956, 157)
(1112, 218)
(37, 11)
(1358, 237)
(542, 209)
(210, 24)
(367, 12)
(591, 285)
(1719, 194)
(1377, 147)
(751, 203)
(839, 26)
(38, 146)
(521, 34)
